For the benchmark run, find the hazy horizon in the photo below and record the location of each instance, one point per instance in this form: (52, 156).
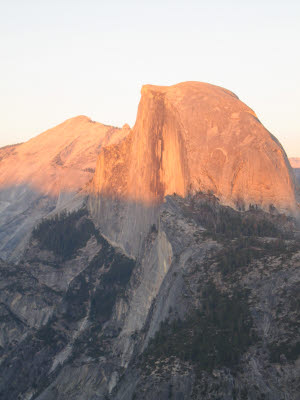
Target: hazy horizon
(63, 59)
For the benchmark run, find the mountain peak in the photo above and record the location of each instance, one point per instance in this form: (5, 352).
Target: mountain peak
(188, 87)
(197, 136)
(46, 172)
(187, 138)
(59, 158)
(79, 118)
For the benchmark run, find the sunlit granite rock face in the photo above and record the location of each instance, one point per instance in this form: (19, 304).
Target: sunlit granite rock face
(45, 174)
(207, 308)
(60, 159)
(188, 137)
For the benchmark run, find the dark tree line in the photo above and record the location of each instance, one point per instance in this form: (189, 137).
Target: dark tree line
(215, 336)
(65, 233)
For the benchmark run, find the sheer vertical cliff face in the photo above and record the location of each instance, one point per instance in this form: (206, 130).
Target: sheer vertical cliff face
(188, 137)
(207, 308)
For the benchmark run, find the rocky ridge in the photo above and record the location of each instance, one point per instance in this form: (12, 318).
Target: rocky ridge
(209, 309)
(188, 137)
(45, 174)
(138, 293)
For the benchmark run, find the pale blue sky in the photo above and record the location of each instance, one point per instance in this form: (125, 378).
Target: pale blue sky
(63, 58)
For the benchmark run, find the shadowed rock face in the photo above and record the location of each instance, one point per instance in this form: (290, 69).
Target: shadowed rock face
(189, 137)
(297, 173)
(46, 173)
(209, 310)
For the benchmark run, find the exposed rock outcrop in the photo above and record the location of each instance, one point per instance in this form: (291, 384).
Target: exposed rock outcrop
(188, 137)
(209, 310)
(45, 173)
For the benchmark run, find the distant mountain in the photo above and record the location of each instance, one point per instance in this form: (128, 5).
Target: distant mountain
(295, 162)
(45, 173)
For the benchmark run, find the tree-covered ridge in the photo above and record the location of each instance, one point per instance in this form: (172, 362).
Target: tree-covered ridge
(94, 293)
(91, 296)
(211, 337)
(65, 233)
(225, 222)
(219, 330)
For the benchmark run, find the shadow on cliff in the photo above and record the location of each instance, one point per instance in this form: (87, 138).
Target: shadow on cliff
(124, 221)
(127, 222)
(21, 207)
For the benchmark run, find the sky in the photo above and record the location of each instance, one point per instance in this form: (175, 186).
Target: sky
(62, 58)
